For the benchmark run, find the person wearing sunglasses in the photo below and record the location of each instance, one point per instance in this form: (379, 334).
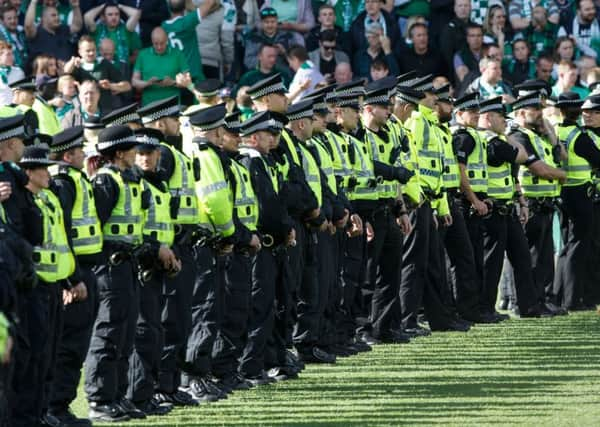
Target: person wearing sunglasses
(327, 56)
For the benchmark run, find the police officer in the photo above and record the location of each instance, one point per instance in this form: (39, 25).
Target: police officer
(180, 173)
(573, 268)
(455, 237)
(126, 115)
(277, 233)
(540, 181)
(503, 231)
(54, 262)
(238, 275)
(591, 119)
(389, 218)
(217, 229)
(156, 262)
(421, 264)
(118, 195)
(74, 191)
(23, 99)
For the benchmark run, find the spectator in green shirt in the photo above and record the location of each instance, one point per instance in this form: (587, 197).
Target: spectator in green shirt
(541, 33)
(160, 71)
(127, 41)
(267, 58)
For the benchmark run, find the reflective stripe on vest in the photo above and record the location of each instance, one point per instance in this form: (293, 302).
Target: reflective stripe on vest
(500, 180)
(386, 189)
(477, 167)
(158, 224)
(182, 184)
(125, 222)
(534, 186)
(311, 173)
(364, 171)
(577, 168)
(245, 202)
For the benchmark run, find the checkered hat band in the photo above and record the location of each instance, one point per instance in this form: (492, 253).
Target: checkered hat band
(36, 160)
(409, 83)
(278, 87)
(490, 108)
(67, 146)
(234, 124)
(155, 115)
(147, 140)
(109, 144)
(472, 103)
(320, 106)
(133, 117)
(348, 103)
(18, 131)
(210, 126)
(424, 87)
(443, 95)
(590, 105)
(269, 124)
(300, 115)
(331, 96)
(208, 94)
(382, 99)
(570, 101)
(407, 98)
(527, 102)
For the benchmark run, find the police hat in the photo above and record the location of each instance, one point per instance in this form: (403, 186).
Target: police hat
(377, 93)
(300, 110)
(592, 102)
(568, 100)
(533, 86)
(273, 84)
(232, 122)
(148, 139)
(406, 95)
(424, 84)
(115, 138)
(12, 127)
(266, 121)
(208, 88)
(470, 101)
(93, 123)
(443, 93)
(158, 109)
(209, 118)
(319, 105)
(531, 100)
(67, 139)
(122, 116)
(347, 100)
(36, 156)
(594, 87)
(492, 105)
(28, 83)
(328, 93)
(355, 87)
(407, 79)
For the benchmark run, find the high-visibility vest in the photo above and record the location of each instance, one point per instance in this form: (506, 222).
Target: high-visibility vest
(183, 184)
(158, 224)
(53, 259)
(451, 172)
(48, 121)
(311, 172)
(325, 162)
(380, 151)
(501, 185)
(596, 174)
(477, 167)
(126, 219)
(86, 230)
(363, 170)
(412, 189)
(245, 202)
(534, 186)
(215, 199)
(338, 147)
(578, 169)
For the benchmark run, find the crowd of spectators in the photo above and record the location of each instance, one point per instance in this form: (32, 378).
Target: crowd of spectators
(142, 51)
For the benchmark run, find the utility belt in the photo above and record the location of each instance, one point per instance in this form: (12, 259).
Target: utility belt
(202, 237)
(542, 205)
(144, 265)
(503, 207)
(432, 195)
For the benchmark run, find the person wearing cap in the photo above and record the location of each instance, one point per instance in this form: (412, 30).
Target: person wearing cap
(49, 124)
(126, 115)
(503, 227)
(118, 195)
(591, 120)
(276, 228)
(54, 264)
(206, 93)
(455, 237)
(74, 191)
(421, 264)
(540, 180)
(23, 99)
(180, 173)
(238, 277)
(217, 227)
(387, 215)
(153, 266)
(572, 279)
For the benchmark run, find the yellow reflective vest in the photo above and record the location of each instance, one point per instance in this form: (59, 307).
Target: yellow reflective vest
(245, 201)
(183, 185)
(534, 186)
(158, 224)
(501, 184)
(579, 171)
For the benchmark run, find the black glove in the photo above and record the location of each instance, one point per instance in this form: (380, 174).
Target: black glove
(352, 183)
(394, 154)
(351, 154)
(556, 154)
(402, 175)
(404, 144)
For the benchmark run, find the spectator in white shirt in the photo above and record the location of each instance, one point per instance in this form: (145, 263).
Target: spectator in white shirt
(307, 75)
(8, 72)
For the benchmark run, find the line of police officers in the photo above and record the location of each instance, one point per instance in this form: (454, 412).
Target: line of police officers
(182, 269)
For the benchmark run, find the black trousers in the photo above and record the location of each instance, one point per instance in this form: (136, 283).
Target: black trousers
(262, 313)
(40, 315)
(144, 363)
(176, 319)
(383, 272)
(538, 231)
(422, 273)
(234, 328)
(463, 271)
(592, 294)
(573, 268)
(504, 233)
(206, 313)
(330, 271)
(79, 320)
(310, 295)
(107, 362)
